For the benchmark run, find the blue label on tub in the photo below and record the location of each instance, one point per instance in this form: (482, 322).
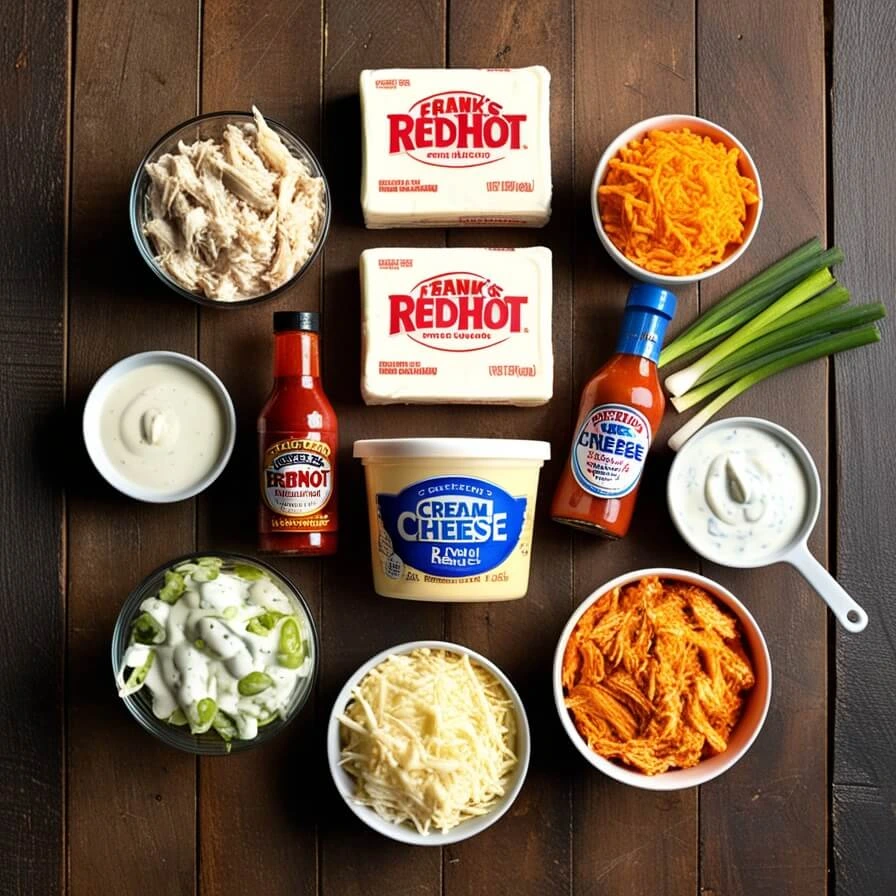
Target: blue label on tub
(453, 526)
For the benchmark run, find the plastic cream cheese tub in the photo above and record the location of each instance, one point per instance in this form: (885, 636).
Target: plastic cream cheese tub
(451, 519)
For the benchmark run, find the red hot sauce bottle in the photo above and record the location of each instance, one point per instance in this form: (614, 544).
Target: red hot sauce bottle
(298, 439)
(620, 411)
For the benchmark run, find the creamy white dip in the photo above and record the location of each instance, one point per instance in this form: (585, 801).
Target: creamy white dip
(219, 648)
(738, 494)
(162, 427)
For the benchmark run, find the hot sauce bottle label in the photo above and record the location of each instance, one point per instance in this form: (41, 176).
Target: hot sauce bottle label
(609, 450)
(297, 482)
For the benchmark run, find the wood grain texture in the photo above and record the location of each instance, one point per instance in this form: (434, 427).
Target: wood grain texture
(763, 823)
(256, 827)
(131, 800)
(34, 94)
(530, 846)
(355, 622)
(864, 861)
(270, 819)
(632, 61)
(864, 201)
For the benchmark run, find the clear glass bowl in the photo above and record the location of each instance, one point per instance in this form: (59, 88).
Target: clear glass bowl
(140, 704)
(211, 126)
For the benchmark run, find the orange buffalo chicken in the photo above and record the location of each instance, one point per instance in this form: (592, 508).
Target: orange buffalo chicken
(655, 675)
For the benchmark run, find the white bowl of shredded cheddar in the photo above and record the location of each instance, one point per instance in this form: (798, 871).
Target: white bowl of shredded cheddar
(662, 679)
(676, 199)
(428, 743)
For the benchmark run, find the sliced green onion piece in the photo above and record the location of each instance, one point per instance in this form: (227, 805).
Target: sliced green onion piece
(264, 623)
(290, 654)
(249, 573)
(210, 562)
(173, 587)
(201, 715)
(137, 678)
(225, 726)
(148, 630)
(254, 683)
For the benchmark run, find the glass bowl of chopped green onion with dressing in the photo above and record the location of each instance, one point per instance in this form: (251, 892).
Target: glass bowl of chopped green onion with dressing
(215, 653)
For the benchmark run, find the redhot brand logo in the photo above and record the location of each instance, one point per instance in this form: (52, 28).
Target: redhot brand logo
(297, 477)
(456, 129)
(457, 312)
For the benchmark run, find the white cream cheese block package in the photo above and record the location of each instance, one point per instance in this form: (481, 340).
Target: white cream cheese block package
(460, 326)
(456, 147)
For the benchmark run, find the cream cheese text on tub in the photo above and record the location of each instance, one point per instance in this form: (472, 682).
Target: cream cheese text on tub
(451, 519)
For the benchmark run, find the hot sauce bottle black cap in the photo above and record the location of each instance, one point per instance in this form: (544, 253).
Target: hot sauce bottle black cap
(309, 321)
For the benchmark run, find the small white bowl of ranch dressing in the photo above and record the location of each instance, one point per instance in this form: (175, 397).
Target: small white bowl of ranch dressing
(159, 426)
(745, 492)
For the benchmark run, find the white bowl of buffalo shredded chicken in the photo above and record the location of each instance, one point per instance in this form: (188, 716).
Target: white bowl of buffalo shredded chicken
(662, 679)
(229, 208)
(428, 743)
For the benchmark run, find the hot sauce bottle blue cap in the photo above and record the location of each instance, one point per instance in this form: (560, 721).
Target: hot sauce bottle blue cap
(648, 310)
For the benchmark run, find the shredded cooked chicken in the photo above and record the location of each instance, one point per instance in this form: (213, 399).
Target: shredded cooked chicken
(235, 219)
(654, 675)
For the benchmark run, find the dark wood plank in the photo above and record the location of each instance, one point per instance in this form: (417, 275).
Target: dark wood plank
(34, 145)
(356, 622)
(763, 823)
(633, 60)
(864, 194)
(864, 861)
(131, 800)
(256, 828)
(531, 845)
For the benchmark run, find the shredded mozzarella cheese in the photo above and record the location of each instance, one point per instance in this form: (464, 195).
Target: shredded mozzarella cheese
(429, 738)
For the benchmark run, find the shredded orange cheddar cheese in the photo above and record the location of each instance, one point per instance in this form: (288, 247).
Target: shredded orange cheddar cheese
(654, 675)
(675, 203)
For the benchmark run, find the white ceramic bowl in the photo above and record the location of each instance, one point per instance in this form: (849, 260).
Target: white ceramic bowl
(345, 783)
(700, 126)
(93, 410)
(748, 726)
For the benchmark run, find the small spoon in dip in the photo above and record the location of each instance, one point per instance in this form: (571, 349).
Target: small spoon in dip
(745, 492)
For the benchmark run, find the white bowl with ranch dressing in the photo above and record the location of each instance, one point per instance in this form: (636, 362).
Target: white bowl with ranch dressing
(159, 426)
(745, 492)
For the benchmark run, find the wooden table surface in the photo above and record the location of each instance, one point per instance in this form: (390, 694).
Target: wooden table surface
(89, 803)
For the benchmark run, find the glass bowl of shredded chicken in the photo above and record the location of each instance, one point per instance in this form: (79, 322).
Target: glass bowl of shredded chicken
(229, 208)
(428, 743)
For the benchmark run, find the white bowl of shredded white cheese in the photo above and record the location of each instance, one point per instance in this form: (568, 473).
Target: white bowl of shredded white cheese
(428, 743)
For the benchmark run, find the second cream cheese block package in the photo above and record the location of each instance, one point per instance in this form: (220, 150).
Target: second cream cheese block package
(460, 326)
